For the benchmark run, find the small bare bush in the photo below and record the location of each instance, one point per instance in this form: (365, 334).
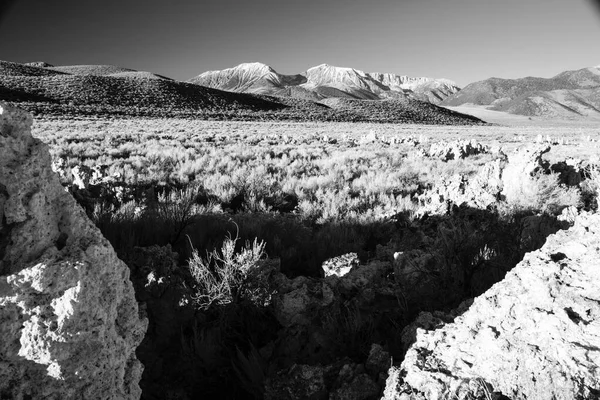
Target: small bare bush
(222, 275)
(594, 182)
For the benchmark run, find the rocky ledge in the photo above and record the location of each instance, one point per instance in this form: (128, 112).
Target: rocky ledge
(69, 322)
(534, 335)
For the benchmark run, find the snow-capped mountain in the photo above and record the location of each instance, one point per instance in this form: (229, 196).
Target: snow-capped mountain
(324, 81)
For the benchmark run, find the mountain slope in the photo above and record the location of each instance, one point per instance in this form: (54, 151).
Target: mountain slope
(249, 78)
(325, 81)
(108, 90)
(111, 88)
(568, 94)
(8, 68)
(105, 70)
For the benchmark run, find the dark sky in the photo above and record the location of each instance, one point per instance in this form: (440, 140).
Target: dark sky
(463, 40)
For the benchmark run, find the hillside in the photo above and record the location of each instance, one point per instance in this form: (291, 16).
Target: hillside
(109, 90)
(568, 94)
(105, 70)
(326, 81)
(113, 89)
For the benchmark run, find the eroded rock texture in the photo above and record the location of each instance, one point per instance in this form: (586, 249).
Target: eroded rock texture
(69, 323)
(534, 335)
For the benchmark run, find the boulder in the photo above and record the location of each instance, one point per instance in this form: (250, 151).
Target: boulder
(353, 383)
(341, 265)
(297, 382)
(298, 301)
(534, 335)
(69, 322)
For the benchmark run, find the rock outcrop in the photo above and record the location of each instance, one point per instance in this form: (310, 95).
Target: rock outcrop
(341, 265)
(342, 380)
(69, 322)
(480, 191)
(522, 164)
(534, 335)
(457, 149)
(521, 179)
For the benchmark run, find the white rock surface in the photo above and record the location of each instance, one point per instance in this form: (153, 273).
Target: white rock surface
(535, 335)
(69, 322)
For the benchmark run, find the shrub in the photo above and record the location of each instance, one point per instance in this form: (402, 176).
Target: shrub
(176, 209)
(593, 183)
(542, 193)
(221, 276)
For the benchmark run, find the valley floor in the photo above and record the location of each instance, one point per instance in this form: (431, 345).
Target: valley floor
(422, 217)
(578, 138)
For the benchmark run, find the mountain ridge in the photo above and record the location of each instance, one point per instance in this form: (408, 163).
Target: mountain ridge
(324, 81)
(569, 94)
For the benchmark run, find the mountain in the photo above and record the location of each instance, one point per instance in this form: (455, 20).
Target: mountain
(110, 90)
(568, 94)
(249, 77)
(116, 89)
(326, 81)
(105, 70)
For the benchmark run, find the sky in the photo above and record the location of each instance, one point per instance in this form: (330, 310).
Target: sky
(462, 40)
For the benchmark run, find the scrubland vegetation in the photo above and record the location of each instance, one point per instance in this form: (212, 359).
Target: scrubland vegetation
(230, 198)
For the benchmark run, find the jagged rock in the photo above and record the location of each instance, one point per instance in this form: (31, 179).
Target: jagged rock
(168, 303)
(69, 323)
(379, 360)
(480, 191)
(534, 335)
(412, 266)
(505, 178)
(298, 382)
(353, 383)
(523, 163)
(365, 282)
(82, 176)
(536, 228)
(341, 380)
(570, 171)
(297, 301)
(457, 149)
(59, 166)
(341, 265)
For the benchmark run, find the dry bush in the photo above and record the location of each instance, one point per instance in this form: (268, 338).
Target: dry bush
(593, 182)
(220, 276)
(542, 193)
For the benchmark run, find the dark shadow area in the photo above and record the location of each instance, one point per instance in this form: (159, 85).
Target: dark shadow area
(235, 350)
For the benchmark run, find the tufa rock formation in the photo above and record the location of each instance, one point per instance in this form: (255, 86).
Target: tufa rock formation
(458, 149)
(535, 335)
(520, 178)
(69, 323)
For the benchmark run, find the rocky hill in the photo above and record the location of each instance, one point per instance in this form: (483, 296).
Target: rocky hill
(568, 94)
(110, 90)
(324, 81)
